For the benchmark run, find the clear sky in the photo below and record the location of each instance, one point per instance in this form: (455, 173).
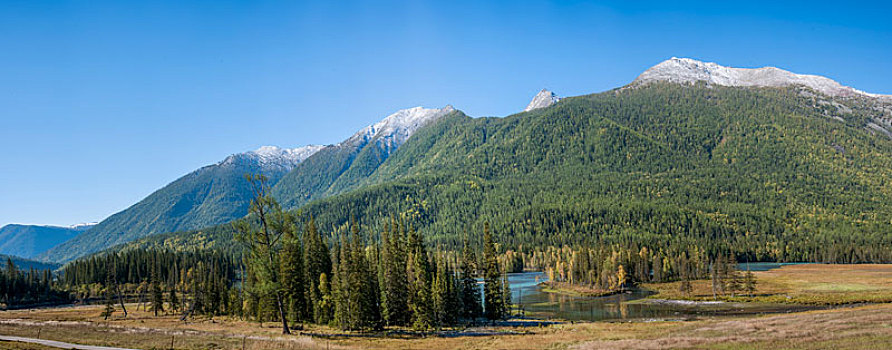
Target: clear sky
(103, 102)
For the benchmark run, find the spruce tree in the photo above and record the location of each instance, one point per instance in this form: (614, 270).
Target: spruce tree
(494, 302)
(109, 289)
(367, 288)
(395, 289)
(469, 290)
(293, 278)
(172, 299)
(157, 298)
(324, 305)
(506, 296)
(420, 300)
(317, 261)
(440, 292)
(749, 283)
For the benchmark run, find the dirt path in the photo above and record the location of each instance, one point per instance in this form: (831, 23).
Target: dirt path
(58, 344)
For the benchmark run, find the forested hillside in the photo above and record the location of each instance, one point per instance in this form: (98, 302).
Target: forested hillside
(209, 196)
(762, 173)
(345, 166)
(27, 241)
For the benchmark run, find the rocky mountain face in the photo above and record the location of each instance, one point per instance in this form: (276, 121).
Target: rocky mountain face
(687, 71)
(543, 99)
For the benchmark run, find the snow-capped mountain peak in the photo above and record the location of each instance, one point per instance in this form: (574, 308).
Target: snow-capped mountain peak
(272, 153)
(274, 157)
(543, 99)
(396, 128)
(686, 70)
(83, 226)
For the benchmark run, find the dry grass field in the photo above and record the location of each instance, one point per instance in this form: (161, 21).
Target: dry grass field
(22, 346)
(853, 327)
(803, 284)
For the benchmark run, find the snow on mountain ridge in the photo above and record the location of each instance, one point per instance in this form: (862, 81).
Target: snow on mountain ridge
(396, 128)
(543, 99)
(84, 225)
(294, 154)
(686, 70)
(273, 156)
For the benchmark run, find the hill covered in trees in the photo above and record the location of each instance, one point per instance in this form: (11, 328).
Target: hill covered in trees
(209, 196)
(27, 241)
(768, 174)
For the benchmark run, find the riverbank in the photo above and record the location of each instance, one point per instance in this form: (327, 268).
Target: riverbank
(863, 327)
(574, 290)
(709, 325)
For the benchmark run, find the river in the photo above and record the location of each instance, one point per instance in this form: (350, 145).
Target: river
(534, 303)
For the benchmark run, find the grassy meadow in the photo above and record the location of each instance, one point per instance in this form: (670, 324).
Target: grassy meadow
(867, 326)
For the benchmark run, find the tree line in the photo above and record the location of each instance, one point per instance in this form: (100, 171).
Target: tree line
(23, 288)
(361, 281)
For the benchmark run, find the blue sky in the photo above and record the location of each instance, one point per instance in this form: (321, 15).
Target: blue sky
(103, 102)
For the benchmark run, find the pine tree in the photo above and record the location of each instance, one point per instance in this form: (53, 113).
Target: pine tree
(494, 302)
(369, 305)
(470, 291)
(109, 291)
(342, 291)
(263, 232)
(749, 283)
(317, 261)
(293, 278)
(172, 299)
(506, 296)
(157, 293)
(440, 292)
(420, 299)
(157, 298)
(324, 307)
(394, 289)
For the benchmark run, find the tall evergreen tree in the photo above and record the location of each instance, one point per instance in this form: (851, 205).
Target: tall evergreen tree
(420, 300)
(395, 289)
(317, 261)
(494, 301)
(470, 291)
(263, 232)
(293, 278)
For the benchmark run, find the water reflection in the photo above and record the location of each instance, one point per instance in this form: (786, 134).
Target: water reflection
(534, 303)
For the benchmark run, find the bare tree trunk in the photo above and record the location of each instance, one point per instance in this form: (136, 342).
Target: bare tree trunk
(279, 302)
(121, 299)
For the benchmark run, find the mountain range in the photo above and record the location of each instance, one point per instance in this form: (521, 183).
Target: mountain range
(27, 241)
(765, 149)
(211, 195)
(219, 193)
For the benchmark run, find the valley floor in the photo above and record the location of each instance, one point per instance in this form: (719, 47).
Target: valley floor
(858, 326)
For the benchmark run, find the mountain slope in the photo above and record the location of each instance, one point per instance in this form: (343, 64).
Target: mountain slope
(208, 196)
(27, 264)
(757, 168)
(337, 168)
(27, 241)
(764, 171)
